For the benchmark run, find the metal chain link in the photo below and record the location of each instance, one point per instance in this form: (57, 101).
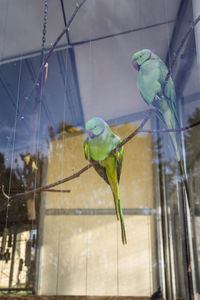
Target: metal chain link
(44, 29)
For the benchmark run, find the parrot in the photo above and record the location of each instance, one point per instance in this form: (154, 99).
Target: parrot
(98, 144)
(152, 73)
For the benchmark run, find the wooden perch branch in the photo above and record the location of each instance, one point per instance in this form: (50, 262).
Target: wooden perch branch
(171, 130)
(81, 171)
(77, 174)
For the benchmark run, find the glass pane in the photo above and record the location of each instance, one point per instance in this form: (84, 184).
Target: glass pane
(61, 229)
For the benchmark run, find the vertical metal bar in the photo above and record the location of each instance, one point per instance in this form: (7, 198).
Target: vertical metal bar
(183, 235)
(165, 236)
(191, 245)
(165, 223)
(160, 279)
(196, 13)
(170, 241)
(40, 233)
(174, 247)
(12, 260)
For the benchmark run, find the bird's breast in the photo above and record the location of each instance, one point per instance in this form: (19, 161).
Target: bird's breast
(100, 148)
(147, 82)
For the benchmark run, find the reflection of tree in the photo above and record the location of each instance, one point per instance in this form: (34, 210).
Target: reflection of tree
(22, 215)
(167, 162)
(64, 129)
(192, 139)
(192, 142)
(24, 175)
(10, 177)
(192, 148)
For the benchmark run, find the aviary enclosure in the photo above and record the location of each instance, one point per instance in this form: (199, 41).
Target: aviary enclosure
(99, 148)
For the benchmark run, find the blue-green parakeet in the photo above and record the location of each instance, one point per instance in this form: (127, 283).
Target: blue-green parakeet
(152, 73)
(99, 143)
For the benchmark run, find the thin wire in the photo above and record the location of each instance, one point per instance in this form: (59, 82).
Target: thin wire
(117, 226)
(116, 87)
(13, 146)
(88, 172)
(62, 166)
(117, 258)
(38, 112)
(87, 239)
(148, 218)
(167, 33)
(14, 137)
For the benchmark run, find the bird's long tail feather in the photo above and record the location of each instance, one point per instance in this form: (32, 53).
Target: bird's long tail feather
(119, 212)
(178, 149)
(114, 184)
(121, 217)
(123, 231)
(171, 121)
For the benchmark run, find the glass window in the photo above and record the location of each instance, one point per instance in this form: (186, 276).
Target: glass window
(61, 230)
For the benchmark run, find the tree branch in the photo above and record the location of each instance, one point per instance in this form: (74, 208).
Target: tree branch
(48, 186)
(126, 140)
(171, 130)
(191, 28)
(78, 6)
(91, 164)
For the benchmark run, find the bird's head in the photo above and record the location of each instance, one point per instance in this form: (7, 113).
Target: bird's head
(95, 127)
(140, 57)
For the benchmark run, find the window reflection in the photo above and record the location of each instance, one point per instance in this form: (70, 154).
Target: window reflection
(66, 240)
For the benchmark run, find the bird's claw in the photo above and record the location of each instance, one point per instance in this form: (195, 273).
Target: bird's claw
(157, 97)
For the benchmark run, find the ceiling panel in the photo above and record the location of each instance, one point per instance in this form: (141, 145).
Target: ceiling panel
(21, 21)
(21, 25)
(101, 17)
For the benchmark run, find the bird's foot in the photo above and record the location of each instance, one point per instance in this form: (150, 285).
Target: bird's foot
(158, 97)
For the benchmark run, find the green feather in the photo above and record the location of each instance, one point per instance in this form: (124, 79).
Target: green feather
(97, 147)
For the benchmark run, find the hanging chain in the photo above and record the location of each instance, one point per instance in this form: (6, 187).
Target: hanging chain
(44, 29)
(44, 32)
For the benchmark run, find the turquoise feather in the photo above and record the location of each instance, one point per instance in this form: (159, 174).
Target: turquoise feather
(152, 73)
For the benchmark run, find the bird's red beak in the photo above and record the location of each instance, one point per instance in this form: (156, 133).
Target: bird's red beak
(135, 65)
(90, 133)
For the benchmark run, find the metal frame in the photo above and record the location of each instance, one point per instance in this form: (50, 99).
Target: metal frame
(99, 211)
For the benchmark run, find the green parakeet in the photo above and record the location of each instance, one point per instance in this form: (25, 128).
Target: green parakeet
(99, 143)
(152, 73)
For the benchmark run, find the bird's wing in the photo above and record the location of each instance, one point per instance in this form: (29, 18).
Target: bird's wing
(86, 150)
(118, 154)
(102, 170)
(99, 169)
(169, 91)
